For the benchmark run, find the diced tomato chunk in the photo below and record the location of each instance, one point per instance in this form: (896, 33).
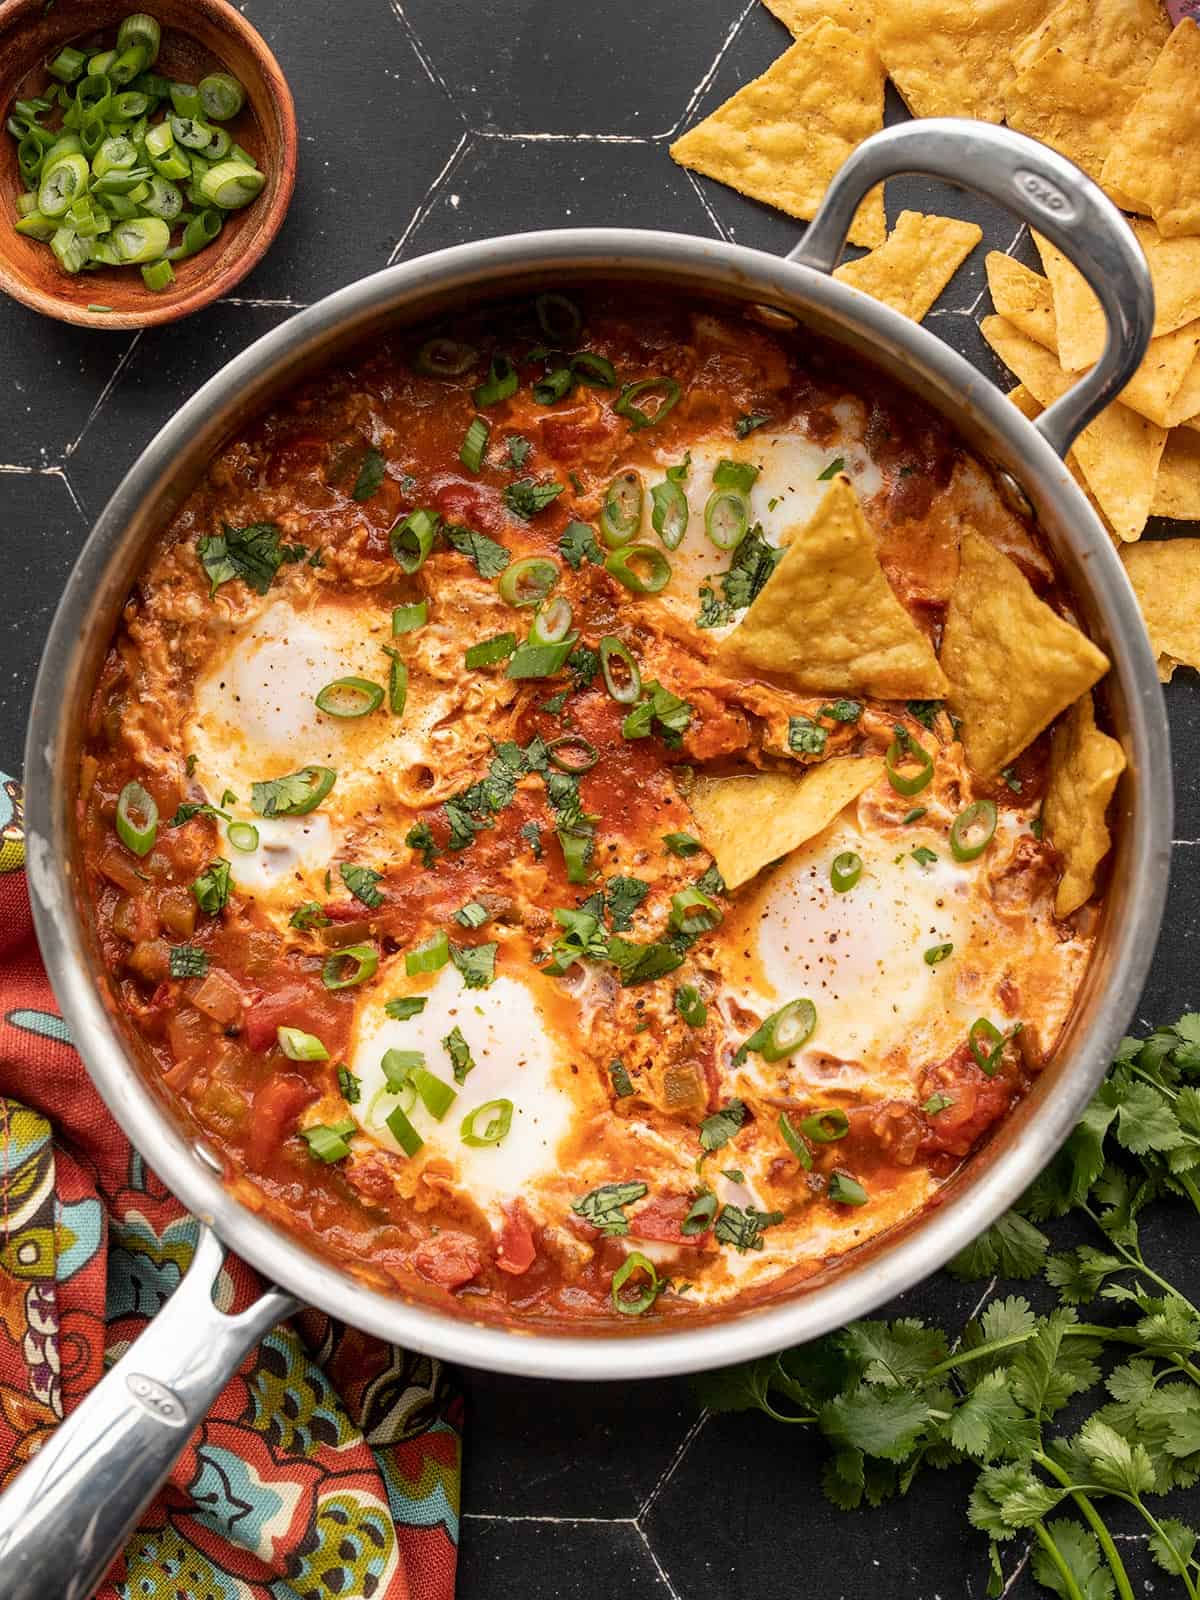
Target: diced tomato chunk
(976, 1101)
(449, 1259)
(276, 1108)
(516, 1251)
(470, 503)
(662, 1220)
(294, 1006)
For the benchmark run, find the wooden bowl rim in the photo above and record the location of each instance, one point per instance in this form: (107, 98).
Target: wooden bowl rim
(226, 15)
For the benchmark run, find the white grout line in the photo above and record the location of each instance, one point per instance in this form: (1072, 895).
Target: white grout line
(113, 379)
(568, 1522)
(668, 1472)
(500, 137)
(427, 65)
(658, 1566)
(426, 203)
(721, 231)
(238, 300)
(60, 472)
(1018, 1569)
(706, 80)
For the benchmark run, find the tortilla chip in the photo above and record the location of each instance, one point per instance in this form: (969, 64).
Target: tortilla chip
(1084, 767)
(909, 271)
(1072, 108)
(950, 58)
(1120, 38)
(782, 137)
(1024, 297)
(828, 620)
(1118, 453)
(1028, 407)
(1174, 270)
(1155, 159)
(1186, 410)
(748, 822)
(1177, 492)
(1165, 574)
(800, 15)
(1013, 663)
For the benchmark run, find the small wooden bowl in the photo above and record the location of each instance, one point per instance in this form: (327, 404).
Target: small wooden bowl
(198, 37)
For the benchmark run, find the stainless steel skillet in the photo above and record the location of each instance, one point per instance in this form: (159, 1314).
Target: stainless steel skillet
(67, 1513)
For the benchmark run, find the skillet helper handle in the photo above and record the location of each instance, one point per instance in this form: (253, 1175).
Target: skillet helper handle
(67, 1515)
(1046, 191)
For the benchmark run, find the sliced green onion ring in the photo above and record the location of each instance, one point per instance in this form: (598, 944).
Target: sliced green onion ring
(665, 389)
(551, 621)
(669, 513)
(701, 1216)
(595, 370)
(540, 660)
(572, 753)
(487, 1124)
(475, 443)
(136, 819)
(904, 750)
(655, 571)
(221, 96)
(430, 956)
(783, 1032)
(554, 386)
(987, 1045)
(726, 518)
(445, 358)
(635, 1305)
(845, 871)
(231, 185)
(500, 383)
(972, 830)
(407, 619)
(242, 836)
(412, 538)
(693, 912)
(397, 683)
(348, 698)
(489, 651)
(558, 318)
(623, 689)
(794, 1142)
(826, 1127)
(529, 581)
(621, 514)
(300, 1046)
(351, 965)
(402, 1130)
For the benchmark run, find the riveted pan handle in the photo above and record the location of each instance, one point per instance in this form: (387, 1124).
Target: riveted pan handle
(67, 1515)
(1043, 189)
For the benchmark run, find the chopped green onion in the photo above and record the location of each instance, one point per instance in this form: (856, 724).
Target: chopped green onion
(782, 1033)
(370, 475)
(904, 751)
(191, 131)
(624, 684)
(559, 753)
(487, 1124)
(490, 651)
(475, 443)
(554, 386)
(327, 1141)
(737, 475)
(669, 513)
(164, 201)
(726, 518)
(592, 369)
(67, 64)
(242, 836)
(826, 1127)
(846, 1191)
(635, 1304)
(348, 698)
(559, 318)
(915, 814)
(446, 358)
(230, 185)
(690, 1006)
(972, 830)
(693, 912)
(407, 619)
(221, 96)
(300, 1046)
(682, 844)
(551, 621)
(294, 795)
(472, 915)
(987, 1045)
(845, 871)
(397, 682)
(621, 514)
(402, 1130)
(351, 965)
(136, 819)
(200, 231)
(701, 1216)
(437, 1097)
(62, 184)
(837, 465)
(655, 573)
(665, 389)
(430, 956)
(141, 239)
(937, 953)
(529, 581)
(794, 1142)
(412, 539)
(500, 383)
(540, 660)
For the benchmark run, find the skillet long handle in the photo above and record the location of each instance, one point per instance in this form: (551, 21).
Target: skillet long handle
(67, 1515)
(1045, 190)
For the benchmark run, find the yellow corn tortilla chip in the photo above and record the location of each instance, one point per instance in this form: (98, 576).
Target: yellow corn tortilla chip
(748, 822)
(950, 58)
(1028, 407)
(1186, 410)
(800, 15)
(920, 256)
(1155, 158)
(782, 137)
(1024, 298)
(828, 620)
(1177, 491)
(1072, 108)
(1118, 453)
(1120, 38)
(1165, 574)
(1013, 663)
(1084, 767)
(1174, 270)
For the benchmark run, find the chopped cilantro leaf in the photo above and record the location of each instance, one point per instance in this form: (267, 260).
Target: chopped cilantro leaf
(490, 558)
(710, 881)
(518, 451)
(362, 883)
(349, 1085)
(370, 475)
(188, 961)
(460, 1054)
(309, 915)
(578, 544)
(251, 553)
(583, 664)
(842, 711)
(744, 1229)
(211, 888)
(805, 737)
(923, 855)
(671, 714)
(637, 963)
(623, 896)
(925, 711)
(682, 844)
(750, 420)
(713, 613)
(420, 838)
(532, 834)
(604, 1207)
(405, 1007)
(719, 1128)
(754, 561)
(476, 963)
(526, 497)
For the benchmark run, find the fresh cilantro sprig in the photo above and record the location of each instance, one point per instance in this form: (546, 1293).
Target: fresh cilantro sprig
(891, 1398)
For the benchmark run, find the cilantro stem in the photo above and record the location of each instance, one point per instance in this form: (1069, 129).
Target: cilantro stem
(978, 1352)
(1098, 1330)
(1071, 1590)
(1093, 1519)
(778, 1416)
(1193, 1189)
(1134, 1258)
(1153, 1522)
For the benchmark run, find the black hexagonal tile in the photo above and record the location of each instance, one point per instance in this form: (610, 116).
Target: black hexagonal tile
(554, 69)
(557, 184)
(53, 374)
(501, 1560)
(42, 532)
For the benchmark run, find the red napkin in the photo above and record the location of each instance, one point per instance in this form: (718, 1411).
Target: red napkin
(329, 1465)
